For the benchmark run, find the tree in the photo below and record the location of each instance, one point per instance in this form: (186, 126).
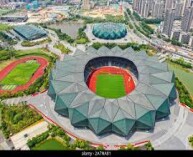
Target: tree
(130, 147)
(18, 117)
(101, 147)
(149, 146)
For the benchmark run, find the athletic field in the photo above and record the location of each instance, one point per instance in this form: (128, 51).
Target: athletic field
(110, 86)
(21, 74)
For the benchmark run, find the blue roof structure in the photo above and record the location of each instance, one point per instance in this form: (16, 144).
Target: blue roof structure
(109, 30)
(30, 32)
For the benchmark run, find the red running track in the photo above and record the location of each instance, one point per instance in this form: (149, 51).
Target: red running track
(39, 72)
(128, 80)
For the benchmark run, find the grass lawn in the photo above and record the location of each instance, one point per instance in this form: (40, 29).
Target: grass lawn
(50, 144)
(184, 76)
(21, 74)
(110, 86)
(4, 27)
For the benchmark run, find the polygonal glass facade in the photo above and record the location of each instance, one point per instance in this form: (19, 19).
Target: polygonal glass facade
(109, 31)
(139, 110)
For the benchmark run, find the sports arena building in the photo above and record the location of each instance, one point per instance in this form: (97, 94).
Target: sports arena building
(30, 32)
(109, 30)
(139, 109)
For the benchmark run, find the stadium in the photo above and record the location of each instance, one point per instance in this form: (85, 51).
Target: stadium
(112, 90)
(30, 32)
(109, 31)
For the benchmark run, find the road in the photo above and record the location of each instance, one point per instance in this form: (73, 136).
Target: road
(53, 36)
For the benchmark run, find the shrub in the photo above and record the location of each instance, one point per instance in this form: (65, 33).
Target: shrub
(38, 139)
(149, 146)
(101, 147)
(136, 15)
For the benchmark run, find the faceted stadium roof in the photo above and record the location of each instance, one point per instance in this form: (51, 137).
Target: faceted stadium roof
(109, 30)
(148, 102)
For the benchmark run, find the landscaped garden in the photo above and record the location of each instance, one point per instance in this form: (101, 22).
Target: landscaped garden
(56, 139)
(26, 43)
(62, 48)
(5, 38)
(147, 146)
(5, 27)
(17, 117)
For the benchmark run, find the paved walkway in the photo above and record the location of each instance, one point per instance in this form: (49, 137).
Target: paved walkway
(20, 141)
(174, 129)
(165, 133)
(3, 143)
(169, 134)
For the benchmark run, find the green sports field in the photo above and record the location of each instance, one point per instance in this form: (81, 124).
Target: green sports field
(110, 86)
(21, 74)
(50, 144)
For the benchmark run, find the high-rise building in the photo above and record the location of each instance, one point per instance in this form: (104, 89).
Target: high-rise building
(169, 4)
(186, 4)
(187, 19)
(184, 38)
(86, 5)
(178, 9)
(191, 42)
(137, 5)
(175, 34)
(168, 22)
(158, 9)
(145, 8)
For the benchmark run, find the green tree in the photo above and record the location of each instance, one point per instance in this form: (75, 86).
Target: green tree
(101, 147)
(149, 146)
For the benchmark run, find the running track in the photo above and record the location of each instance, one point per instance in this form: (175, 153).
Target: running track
(40, 71)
